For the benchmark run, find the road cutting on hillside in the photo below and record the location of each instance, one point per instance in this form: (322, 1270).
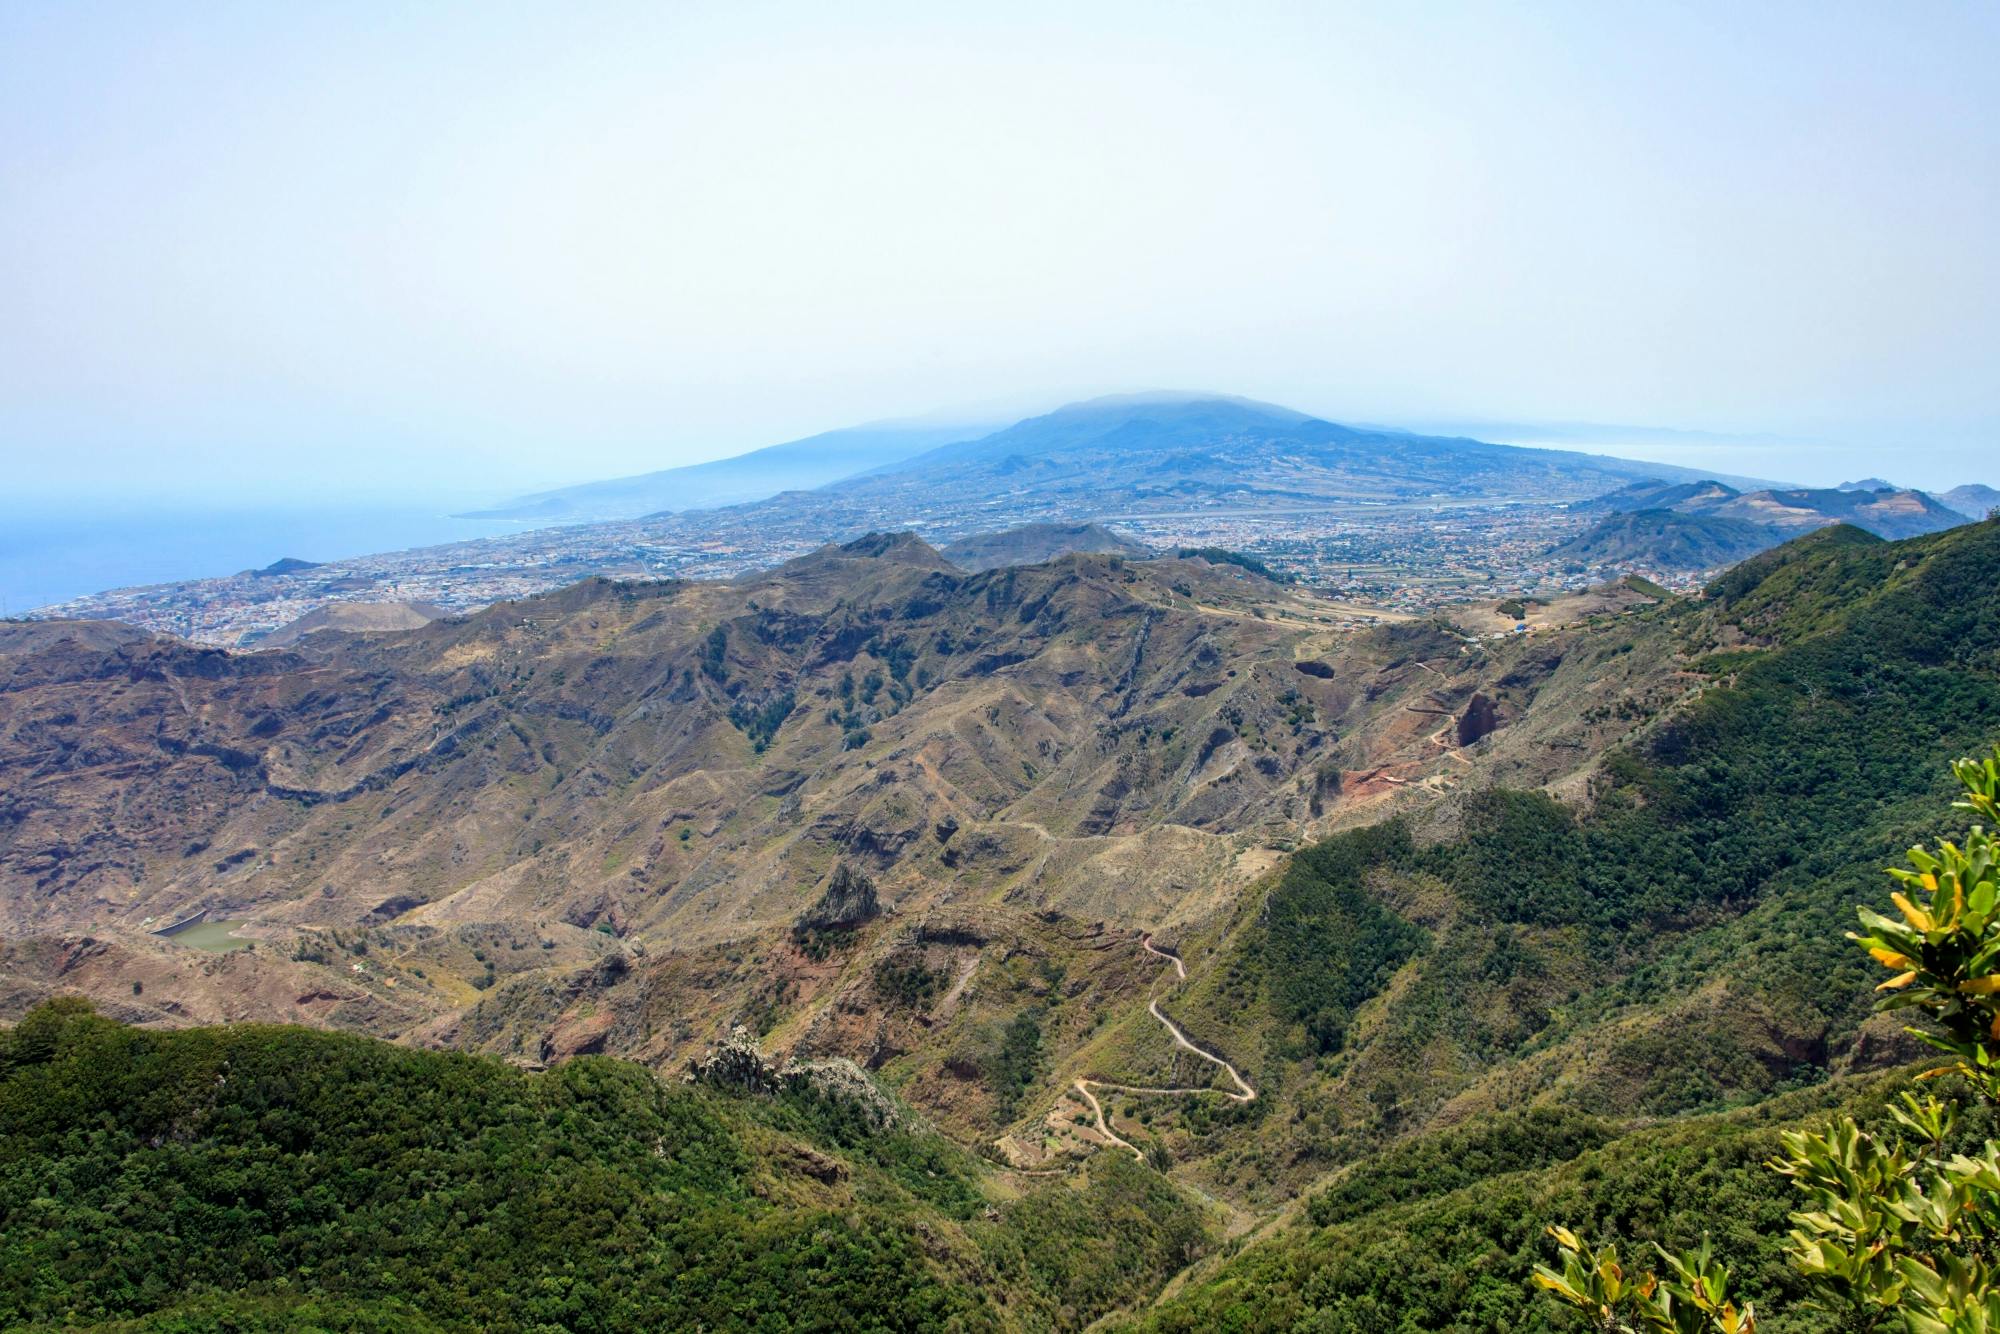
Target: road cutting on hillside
(1242, 1093)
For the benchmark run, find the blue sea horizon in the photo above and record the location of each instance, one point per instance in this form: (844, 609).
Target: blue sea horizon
(50, 553)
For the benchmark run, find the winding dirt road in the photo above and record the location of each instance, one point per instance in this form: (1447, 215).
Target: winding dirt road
(1180, 969)
(1243, 1093)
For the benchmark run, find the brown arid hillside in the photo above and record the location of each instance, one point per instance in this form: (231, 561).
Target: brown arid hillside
(357, 617)
(612, 818)
(1035, 543)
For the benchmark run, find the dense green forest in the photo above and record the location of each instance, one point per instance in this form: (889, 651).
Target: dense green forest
(1442, 1234)
(276, 1178)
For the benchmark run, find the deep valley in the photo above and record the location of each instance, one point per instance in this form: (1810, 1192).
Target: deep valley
(1099, 859)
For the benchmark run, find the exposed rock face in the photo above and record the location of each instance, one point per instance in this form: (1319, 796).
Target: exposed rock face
(849, 901)
(1326, 789)
(738, 1065)
(841, 1080)
(580, 1037)
(1480, 719)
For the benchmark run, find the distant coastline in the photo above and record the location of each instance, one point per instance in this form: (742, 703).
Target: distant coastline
(48, 555)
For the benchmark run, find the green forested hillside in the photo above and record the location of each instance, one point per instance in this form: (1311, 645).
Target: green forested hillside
(1674, 948)
(1442, 1234)
(1673, 945)
(274, 1178)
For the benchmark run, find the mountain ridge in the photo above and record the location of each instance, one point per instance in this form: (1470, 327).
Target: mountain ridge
(1036, 543)
(1144, 449)
(1479, 917)
(1696, 526)
(1349, 503)
(1973, 500)
(1665, 540)
(793, 465)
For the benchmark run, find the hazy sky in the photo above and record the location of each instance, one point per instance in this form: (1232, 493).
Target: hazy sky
(285, 249)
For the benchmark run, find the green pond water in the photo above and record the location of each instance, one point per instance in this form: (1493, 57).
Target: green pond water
(211, 935)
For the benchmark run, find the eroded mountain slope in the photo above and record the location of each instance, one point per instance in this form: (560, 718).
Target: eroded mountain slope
(590, 820)
(1670, 941)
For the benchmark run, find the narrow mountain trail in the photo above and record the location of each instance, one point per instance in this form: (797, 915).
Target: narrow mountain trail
(1243, 1092)
(964, 979)
(1180, 969)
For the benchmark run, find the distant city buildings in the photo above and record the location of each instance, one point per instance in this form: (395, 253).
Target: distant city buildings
(1401, 559)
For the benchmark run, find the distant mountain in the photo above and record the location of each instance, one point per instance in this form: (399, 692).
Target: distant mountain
(1661, 539)
(1656, 495)
(1210, 469)
(1033, 543)
(361, 617)
(1868, 484)
(1625, 441)
(1164, 452)
(1974, 501)
(796, 465)
(283, 566)
(1889, 514)
(1786, 513)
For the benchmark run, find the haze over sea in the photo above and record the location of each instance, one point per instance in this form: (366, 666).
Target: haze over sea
(50, 554)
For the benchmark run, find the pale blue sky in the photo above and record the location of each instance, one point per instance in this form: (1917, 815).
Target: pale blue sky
(297, 250)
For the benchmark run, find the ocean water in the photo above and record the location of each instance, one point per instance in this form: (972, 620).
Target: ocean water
(50, 554)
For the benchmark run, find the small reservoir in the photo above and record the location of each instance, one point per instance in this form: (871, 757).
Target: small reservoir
(217, 936)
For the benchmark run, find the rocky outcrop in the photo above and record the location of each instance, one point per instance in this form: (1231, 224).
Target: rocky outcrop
(1480, 719)
(737, 1065)
(849, 901)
